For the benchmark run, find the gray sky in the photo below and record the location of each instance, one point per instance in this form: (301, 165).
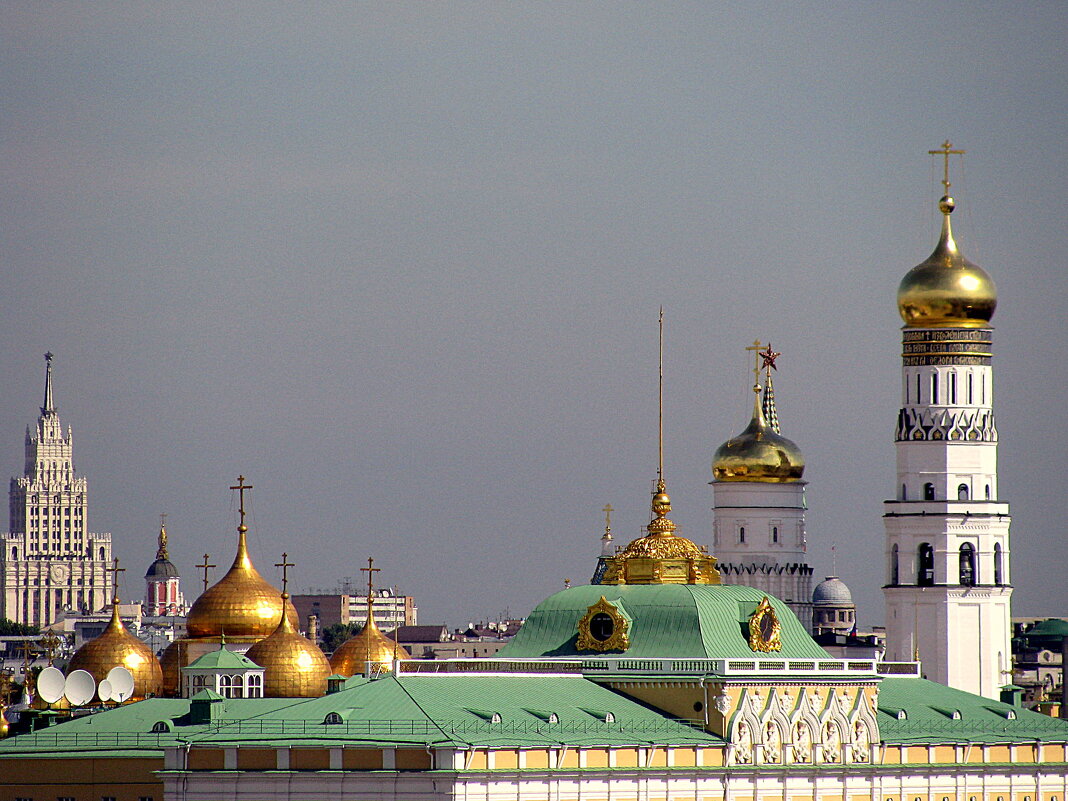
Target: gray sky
(400, 265)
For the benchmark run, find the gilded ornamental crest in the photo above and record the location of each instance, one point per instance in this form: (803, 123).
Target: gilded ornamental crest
(764, 628)
(604, 627)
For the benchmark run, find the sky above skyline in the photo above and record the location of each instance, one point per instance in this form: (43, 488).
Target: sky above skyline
(400, 265)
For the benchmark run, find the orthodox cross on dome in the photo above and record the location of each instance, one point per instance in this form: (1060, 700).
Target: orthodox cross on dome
(946, 151)
(205, 567)
(608, 518)
(241, 487)
(370, 570)
(114, 571)
(50, 642)
(757, 366)
(285, 564)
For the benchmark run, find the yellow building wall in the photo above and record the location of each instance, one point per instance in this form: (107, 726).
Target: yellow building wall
(39, 778)
(257, 759)
(205, 759)
(537, 759)
(415, 759)
(626, 757)
(362, 759)
(505, 760)
(596, 757)
(309, 759)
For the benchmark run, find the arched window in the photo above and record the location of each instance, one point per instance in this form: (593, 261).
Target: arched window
(101, 553)
(998, 579)
(255, 685)
(925, 574)
(894, 574)
(14, 553)
(741, 534)
(962, 492)
(967, 564)
(226, 686)
(988, 492)
(904, 493)
(928, 492)
(774, 533)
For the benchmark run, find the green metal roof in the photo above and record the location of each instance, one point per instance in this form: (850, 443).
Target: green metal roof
(929, 716)
(493, 711)
(222, 659)
(689, 621)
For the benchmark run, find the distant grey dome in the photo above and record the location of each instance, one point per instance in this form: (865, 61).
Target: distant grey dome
(162, 568)
(832, 590)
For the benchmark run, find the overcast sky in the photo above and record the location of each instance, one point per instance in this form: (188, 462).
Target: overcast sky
(400, 266)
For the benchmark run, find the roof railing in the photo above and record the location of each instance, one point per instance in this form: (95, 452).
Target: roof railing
(600, 666)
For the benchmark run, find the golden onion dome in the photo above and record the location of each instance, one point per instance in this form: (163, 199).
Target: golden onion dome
(758, 454)
(175, 657)
(241, 604)
(116, 647)
(946, 290)
(370, 645)
(293, 666)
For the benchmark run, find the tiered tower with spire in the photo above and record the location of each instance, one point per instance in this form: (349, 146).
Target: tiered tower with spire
(759, 502)
(947, 534)
(50, 562)
(163, 593)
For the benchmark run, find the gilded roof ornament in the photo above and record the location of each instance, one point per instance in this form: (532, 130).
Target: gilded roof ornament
(661, 556)
(161, 552)
(370, 648)
(760, 453)
(242, 603)
(294, 666)
(946, 290)
(117, 647)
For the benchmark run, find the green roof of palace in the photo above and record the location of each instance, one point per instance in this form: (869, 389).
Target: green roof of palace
(440, 710)
(685, 621)
(929, 716)
(223, 659)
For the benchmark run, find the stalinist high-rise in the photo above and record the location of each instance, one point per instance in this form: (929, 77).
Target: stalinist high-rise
(947, 529)
(50, 561)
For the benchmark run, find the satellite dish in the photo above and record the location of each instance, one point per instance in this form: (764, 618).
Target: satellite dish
(104, 691)
(50, 684)
(80, 687)
(122, 683)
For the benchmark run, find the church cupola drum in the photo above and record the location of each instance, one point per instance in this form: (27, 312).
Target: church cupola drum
(947, 534)
(50, 562)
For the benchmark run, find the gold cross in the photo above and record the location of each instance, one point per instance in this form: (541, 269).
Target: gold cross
(162, 519)
(285, 564)
(205, 567)
(370, 570)
(241, 487)
(608, 516)
(945, 151)
(755, 347)
(115, 579)
(50, 642)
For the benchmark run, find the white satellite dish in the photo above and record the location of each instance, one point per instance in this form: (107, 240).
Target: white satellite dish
(122, 683)
(80, 687)
(50, 684)
(104, 691)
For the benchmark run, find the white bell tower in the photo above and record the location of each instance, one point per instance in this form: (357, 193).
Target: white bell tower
(947, 534)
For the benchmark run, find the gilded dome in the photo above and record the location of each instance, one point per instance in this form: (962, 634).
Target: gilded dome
(117, 647)
(370, 645)
(294, 666)
(758, 454)
(175, 657)
(241, 604)
(946, 290)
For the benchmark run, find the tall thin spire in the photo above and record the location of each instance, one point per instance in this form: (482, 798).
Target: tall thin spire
(49, 407)
(660, 403)
(771, 414)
